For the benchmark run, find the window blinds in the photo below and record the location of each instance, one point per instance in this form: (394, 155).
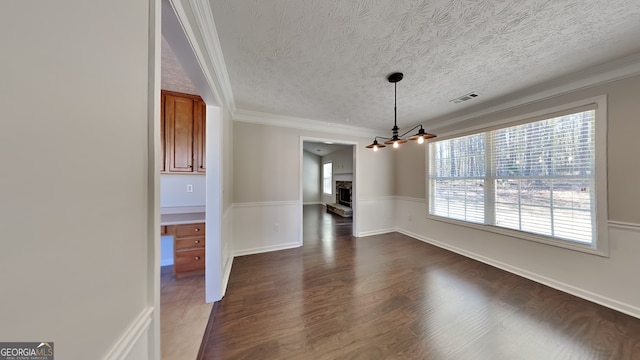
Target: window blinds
(537, 177)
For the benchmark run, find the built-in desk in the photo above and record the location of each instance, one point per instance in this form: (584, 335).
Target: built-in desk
(177, 219)
(188, 230)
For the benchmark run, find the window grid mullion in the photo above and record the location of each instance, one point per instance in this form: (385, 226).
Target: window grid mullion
(490, 180)
(533, 180)
(552, 208)
(519, 204)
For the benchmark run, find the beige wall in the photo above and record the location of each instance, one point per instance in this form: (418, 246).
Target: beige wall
(267, 199)
(266, 164)
(606, 280)
(342, 170)
(623, 128)
(410, 174)
(311, 170)
(74, 147)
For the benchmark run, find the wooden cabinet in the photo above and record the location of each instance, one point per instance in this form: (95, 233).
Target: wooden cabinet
(199, 137)
(183, 133)
(163, 164)
(188, 249)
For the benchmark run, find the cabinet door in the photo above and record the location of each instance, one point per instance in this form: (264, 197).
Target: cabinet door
(163, 136)
(179, 115)
(200, 131)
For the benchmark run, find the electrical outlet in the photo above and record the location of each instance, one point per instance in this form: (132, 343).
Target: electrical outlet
(190, 188)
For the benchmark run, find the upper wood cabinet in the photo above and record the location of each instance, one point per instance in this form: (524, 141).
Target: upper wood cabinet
(183, 133)
(199, 137)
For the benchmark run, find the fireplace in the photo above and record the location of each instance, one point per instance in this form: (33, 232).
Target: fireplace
(343, 193)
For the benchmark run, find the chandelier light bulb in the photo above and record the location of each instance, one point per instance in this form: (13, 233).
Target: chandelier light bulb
(375, 148)
(420, 140)
(395, 144)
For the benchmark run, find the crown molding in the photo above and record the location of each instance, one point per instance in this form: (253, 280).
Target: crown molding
(256, 117)
(615, 70)
(196, 19)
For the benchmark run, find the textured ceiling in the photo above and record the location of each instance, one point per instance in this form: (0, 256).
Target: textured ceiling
(322, 148)
(173, 76)
(328, 60)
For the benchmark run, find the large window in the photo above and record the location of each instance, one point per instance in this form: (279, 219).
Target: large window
(536, 177)
(327, 179)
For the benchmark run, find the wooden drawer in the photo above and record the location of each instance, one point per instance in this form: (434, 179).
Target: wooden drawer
(188, 260)
(189, 243)
(187, 230)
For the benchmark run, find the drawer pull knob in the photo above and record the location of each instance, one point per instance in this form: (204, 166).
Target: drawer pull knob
(197, 257)
(197, 241)
(196, 230)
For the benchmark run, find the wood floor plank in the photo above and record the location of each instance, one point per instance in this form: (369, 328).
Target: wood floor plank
(393, 297)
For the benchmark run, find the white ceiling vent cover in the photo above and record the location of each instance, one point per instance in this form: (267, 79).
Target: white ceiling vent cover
(466, 97)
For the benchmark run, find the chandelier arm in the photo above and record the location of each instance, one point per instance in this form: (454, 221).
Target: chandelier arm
(397, 139)
(410, 130)
(382, 137)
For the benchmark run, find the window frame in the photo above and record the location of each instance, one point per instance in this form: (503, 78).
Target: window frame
(330, 178)
(600, 245)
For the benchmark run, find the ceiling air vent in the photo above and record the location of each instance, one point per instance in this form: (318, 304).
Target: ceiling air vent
(466, 97)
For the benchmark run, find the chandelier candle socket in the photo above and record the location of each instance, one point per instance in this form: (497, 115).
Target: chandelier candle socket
(396, 139)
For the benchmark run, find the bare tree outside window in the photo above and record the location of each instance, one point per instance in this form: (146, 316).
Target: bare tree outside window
(536, 177)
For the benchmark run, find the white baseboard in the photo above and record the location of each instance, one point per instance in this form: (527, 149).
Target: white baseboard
(226, 275)
(313, 203)
(374, 232)
(570, 289)
(134, 338)
(266, 249)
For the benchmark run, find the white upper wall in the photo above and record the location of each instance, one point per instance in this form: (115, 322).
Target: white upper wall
(74, 144)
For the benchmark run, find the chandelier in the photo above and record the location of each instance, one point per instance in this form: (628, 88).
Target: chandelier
(396, 139)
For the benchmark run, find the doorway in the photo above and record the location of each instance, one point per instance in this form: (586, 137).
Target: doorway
(191, 297)
(328, 179)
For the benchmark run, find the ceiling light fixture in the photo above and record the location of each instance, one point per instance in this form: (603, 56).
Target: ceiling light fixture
(396, 139)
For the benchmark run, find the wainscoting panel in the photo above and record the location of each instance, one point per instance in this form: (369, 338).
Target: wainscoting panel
(265, 226)
(609, 281)
(375, 216)
(134, 342)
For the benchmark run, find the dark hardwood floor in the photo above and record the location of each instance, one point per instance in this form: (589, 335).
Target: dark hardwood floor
(394, 297)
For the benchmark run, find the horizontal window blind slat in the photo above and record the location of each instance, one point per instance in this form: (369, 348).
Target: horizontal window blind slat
(540, 175)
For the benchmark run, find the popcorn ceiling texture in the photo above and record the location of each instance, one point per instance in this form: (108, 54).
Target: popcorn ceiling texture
(173, 76)
(328, 60)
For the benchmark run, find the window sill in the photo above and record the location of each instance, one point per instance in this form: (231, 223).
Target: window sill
(565, 244)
